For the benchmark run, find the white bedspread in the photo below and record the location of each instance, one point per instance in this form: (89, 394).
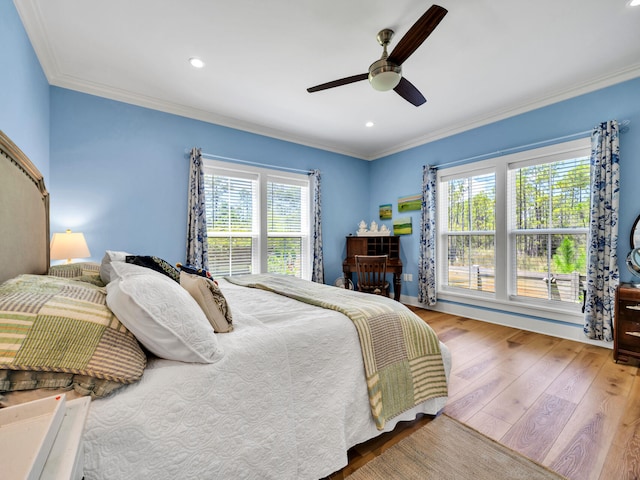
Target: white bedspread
(285, 401)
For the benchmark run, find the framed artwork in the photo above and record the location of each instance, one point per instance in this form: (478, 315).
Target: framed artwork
(410, 202)
(402, 226)
(386, 212)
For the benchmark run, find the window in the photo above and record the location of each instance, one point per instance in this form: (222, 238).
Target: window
(257, 220)
(513, 230)
(550, 219)
(471, 231)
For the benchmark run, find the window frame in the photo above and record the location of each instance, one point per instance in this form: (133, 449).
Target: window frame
(263, 176)
(504, 298)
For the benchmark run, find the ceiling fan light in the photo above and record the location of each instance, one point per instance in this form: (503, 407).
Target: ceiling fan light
(384, 75)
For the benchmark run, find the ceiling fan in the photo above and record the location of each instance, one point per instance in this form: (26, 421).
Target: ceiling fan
(386, 73)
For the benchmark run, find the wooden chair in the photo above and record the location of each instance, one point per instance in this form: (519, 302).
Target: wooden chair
(371, 271)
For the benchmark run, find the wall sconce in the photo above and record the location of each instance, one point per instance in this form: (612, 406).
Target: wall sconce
(69, 245)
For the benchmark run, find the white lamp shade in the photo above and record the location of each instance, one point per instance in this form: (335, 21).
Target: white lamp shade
(69, 245)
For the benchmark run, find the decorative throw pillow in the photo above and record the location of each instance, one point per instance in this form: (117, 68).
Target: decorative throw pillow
(211, 300)
(163, 317)
(194, 270)
(157, 264)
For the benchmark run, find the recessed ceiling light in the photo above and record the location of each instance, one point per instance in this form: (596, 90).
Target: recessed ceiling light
(633, 3)
(196, 62)
(369, 124)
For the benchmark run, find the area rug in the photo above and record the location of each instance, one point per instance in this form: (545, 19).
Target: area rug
(445, 449)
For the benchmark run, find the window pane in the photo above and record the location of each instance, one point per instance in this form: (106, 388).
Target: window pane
(285, 255)
(559, 275)
(570, 197)
(230, 203)
(284, 208)
(471, 204)
(472, 262)
(553, 195)
(458, 208)
(230, 255)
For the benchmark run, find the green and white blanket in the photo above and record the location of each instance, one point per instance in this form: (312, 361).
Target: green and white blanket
(59, 333)
(402, 359)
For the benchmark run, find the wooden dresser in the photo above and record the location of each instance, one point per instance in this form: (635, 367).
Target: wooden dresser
(626, 329)
(389, 245)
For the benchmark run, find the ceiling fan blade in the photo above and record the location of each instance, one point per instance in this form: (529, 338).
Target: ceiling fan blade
(338, 83)
(417, 34)
(410, 93)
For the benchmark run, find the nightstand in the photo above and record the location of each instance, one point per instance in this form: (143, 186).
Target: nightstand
(626, 328)
(43, 439)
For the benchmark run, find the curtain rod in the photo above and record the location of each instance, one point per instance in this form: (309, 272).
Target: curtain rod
(623, 128)
(248, 162)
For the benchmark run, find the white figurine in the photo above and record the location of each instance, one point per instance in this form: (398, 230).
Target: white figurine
(362, 227)
(374, 227)
(384, 228)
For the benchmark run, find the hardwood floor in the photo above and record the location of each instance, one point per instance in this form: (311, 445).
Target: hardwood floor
(565, 404)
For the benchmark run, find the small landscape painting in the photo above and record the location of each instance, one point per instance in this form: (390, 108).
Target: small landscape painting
(386, 212)
(410, 202)
(402, 226)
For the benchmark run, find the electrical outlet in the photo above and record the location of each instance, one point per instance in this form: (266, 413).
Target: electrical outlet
(407, 277)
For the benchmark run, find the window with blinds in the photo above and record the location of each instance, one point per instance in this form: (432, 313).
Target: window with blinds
(513, 230)
(470, 232)
(232, 223)
(549, 210)
(258, 220)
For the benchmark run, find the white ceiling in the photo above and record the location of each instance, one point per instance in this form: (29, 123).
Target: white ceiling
(487, 60)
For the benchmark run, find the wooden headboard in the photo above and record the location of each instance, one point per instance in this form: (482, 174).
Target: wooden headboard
(24, 214)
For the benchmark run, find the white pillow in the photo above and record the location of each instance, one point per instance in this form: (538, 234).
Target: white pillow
(121, 269)
(163, 317)
(106, 269)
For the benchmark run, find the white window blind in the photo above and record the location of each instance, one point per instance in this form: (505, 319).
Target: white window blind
(550, 218)
(470, 232)
(232, 223)
(287, 226)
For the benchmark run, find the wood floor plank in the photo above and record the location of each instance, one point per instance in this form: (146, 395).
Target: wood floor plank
(489, 425)
(464, 404)
(522, 359)
(623, 455)
(536, 431)
(513, 402)
(580, 450)
(574, 381)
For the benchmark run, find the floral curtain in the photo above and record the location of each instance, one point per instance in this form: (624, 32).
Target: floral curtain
(427, 259)
(197, 249)
(317, 273)
(602, 268)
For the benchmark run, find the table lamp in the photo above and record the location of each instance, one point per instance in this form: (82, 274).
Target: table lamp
(69, 245)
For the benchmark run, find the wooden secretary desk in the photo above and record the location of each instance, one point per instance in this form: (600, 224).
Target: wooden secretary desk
(389, 245)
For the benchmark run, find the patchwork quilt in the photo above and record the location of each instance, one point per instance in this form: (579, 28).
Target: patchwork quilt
(59, 333)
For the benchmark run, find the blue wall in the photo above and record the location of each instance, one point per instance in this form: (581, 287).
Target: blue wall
(401, 174)
(119, 174)
(24, 90)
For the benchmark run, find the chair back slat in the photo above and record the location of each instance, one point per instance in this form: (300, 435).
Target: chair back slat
(372, 271)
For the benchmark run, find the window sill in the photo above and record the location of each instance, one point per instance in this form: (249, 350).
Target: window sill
(532, 310)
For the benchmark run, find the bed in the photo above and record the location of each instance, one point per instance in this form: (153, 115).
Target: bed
(283, 395)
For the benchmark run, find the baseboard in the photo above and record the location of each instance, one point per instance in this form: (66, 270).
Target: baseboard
(532, 324)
